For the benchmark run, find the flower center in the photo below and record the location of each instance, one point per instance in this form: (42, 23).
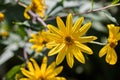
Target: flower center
(113, 43)
(42, 78)
(44, 42)
(68, 40)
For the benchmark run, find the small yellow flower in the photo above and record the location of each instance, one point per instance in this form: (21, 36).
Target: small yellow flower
(1, 16)
(108, 49)
(39, 41)
(17, 76)
(69, 40)
(37, 6)
(36, 72)
(4, 34)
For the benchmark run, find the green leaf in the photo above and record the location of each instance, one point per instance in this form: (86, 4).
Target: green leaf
(21, 31)
(62, 1)
(110, 17)
(58, 4)
(26, 23)
(11, 74)
(115, 1)
(92, 4)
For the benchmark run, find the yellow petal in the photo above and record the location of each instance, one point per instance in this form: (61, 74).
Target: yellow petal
(103, 51)
(39, 48)
(84, 28)
(53, 36)
(113, 30)
(56, 71)
(24, 78)
(51, 66)
(26, 15)
(50, 69)
(87, 39)
(51, 44)
(36, 66)
(111, 57)
(60, 57)
(27, 73)
(70, 59)
(60, 24)
(33, 35)
(44, 65)
(56, 49)
(69, 23)
(26, 12)
(84, 48)
(40, 13)
(30, 67)
(58, 78)
(78, 55)
(33, 47)
(54, 30)
(118, 36)
(32, 40)
(77, 24)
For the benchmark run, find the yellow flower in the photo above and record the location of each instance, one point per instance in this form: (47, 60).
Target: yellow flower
(1, 16)
(37, 6)
(17, 76)
(4, 34)
(68, 40)
(108, 49)
(39, 41)
(43, 72)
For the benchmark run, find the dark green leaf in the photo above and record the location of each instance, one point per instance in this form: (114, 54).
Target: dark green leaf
(110, 17)
(11, 74)
(115, 1)
(21, 31)
(92, 4)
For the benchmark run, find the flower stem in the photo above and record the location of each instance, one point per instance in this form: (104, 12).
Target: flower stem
(25, 54)
(98, 43)
(90, 11)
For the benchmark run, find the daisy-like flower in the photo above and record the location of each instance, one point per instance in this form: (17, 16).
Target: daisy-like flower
(37, 6)
(68, 40)
(108, 49)
(1, 16)
(36, 72)
(39, 41)
(4, 34)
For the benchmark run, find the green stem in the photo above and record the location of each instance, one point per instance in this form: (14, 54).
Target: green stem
(92, 4)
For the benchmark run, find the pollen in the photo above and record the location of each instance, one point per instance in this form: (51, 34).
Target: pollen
(69, 40)
(44, 42)
(113, 43)
(41, 78)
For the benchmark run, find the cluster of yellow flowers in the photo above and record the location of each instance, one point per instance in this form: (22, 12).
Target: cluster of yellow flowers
(67, 40)
(37, 6)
